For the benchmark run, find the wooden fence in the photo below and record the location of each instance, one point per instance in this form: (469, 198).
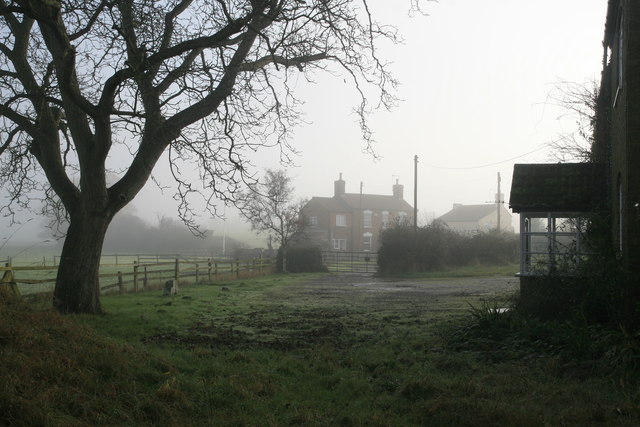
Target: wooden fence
(139, 276)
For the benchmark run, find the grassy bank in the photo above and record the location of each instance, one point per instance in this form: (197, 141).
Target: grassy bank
(284, 350)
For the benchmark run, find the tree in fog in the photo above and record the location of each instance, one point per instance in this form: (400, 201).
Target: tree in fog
(85, 84)
(269, 207)
(579, 102)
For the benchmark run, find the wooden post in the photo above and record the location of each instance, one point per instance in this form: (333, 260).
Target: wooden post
(209, 269)
(135, 276)
(216, 269)
(237, 268)
(9, 281)
(176, 273)
(120, 282)
(146, 278)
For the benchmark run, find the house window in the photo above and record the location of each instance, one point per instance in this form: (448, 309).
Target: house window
(367, 219)
(620, 214)
(620, 61)
(366, 241)
(341, 220)
(385, 219)
(551, 243)
(339, 244)
(402, 218)
(313, 221)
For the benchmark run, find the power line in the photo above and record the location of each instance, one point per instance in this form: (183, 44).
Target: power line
(548, 145)
(488, 164)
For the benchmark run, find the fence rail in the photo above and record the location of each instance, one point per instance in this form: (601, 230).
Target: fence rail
(137, 276)
(351, 262)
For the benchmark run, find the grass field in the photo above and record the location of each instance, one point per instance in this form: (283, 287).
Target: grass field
(302, 350)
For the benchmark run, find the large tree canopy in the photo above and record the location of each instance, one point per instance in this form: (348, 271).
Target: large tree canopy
(204, 80)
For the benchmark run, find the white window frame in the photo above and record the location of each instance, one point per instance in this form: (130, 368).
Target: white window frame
(339, 244)
(385, 219)
(367, 242)
(545, 250)
(367, 219)
(341, 220)
(403, 218)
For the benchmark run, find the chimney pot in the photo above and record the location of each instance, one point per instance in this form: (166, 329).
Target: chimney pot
(398, 191)
(339, 187)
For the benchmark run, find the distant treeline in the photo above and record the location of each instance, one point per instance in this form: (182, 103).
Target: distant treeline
(129, 233)
(437, 247)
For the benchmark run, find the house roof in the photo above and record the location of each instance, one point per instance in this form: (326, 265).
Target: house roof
(350, 201)
(375, 202)
(559, 187)
(329, 204)
(468, 213)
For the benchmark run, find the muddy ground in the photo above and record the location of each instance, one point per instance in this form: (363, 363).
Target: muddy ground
(372, 290)
(341, 309)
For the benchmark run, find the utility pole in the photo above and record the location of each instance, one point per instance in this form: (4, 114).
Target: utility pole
(415, 193)
(360, 237)
(498, 201)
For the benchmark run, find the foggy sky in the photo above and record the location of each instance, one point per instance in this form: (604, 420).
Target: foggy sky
(475, 76)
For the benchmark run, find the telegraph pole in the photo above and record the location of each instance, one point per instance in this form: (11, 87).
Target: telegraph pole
(415, 193)
(498, 201)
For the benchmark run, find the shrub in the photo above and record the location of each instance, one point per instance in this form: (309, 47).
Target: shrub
(436, 247)
(302, 259)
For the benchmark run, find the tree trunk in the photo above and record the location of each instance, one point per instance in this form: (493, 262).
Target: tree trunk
(284, 259)
(77, 286)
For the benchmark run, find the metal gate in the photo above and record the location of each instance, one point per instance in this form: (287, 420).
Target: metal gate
(350, 262)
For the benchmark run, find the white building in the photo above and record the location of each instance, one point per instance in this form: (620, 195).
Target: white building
(470, 219)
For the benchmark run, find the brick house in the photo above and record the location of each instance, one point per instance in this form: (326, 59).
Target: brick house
(470, 219)
(617, 142)
(554, 200)
(353, 221)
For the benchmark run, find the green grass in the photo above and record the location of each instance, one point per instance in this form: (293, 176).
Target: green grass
(274, 351)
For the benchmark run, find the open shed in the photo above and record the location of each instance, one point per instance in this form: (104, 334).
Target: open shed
(555, 202)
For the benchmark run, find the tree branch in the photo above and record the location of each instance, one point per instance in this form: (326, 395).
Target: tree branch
(297, 62)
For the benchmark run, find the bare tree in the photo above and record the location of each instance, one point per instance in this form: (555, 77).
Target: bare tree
(579, 102)
(269, 207)
(207, 81)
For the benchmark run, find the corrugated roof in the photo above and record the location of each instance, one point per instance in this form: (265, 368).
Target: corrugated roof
(559, 187)
(468, 213)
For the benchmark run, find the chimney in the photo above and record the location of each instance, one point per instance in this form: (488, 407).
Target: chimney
(338, 187)
(398, 191)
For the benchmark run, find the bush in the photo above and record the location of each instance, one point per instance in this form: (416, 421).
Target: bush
(302, 259)
(436, 247)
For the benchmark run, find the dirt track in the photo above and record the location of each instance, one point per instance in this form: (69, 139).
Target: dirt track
(357, 288)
